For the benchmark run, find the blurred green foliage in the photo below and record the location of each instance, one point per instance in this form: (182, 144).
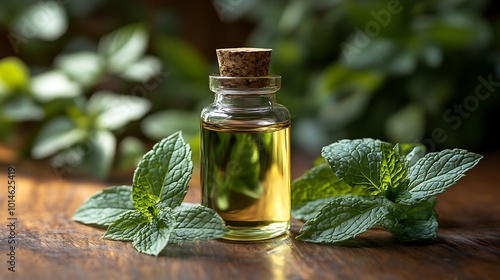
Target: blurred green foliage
(78, 122)
(401, 71)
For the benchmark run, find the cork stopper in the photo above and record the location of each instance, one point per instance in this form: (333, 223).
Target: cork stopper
(244, 62)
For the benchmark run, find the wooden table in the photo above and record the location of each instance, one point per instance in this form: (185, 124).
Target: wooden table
(51, 246)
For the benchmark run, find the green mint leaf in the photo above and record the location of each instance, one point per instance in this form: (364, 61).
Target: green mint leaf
(106, 206)
(245, 152)
(315, 188)
(114, 111)
(238, 169)
(123, 47)
(102, 143)
(14, 75)
(343, 218)
(411, 153)
(57, 134)
(153, 237)
(196, 222)
(435, 172)
(163, 175)
(392, 170)
(318, 182)
(357, 162)
(310, 209)
(126, 226)
(413, 222)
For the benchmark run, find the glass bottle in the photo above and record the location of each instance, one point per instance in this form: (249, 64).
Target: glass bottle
(245, 157)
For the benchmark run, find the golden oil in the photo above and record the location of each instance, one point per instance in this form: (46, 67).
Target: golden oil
(246, 178)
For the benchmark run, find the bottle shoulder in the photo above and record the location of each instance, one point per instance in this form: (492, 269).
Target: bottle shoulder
(219, 115)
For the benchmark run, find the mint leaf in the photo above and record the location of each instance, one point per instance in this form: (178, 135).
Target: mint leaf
(310, 209)
(237, 170)
(123, 47)
(14, 75)
(126, 226)
(113, 111)
(357, 162)
(196, 222)
(245, 152)
(106, 206)
(153, 237)
(57, 134)
(392, 170)
(318, 182)
(315, 188)
(344, 218)
(412, 152)
(84, 67)
(413, 222)
(102, 143)
(163, 175)
(435, 172)
(53, 85)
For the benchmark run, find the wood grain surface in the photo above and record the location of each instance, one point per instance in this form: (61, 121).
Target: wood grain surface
(51, 246)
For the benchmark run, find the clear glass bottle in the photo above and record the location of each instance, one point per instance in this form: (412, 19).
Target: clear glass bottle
(245, 157)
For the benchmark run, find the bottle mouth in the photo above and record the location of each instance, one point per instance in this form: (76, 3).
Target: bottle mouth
(264, 83)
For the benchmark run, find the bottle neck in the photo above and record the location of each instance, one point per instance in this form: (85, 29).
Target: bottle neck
(245, 93)
(245, 101)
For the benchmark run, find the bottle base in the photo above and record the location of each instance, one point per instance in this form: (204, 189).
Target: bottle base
(256, 233)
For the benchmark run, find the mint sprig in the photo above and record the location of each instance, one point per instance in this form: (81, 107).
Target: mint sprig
(371, 182)
(151, 213)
